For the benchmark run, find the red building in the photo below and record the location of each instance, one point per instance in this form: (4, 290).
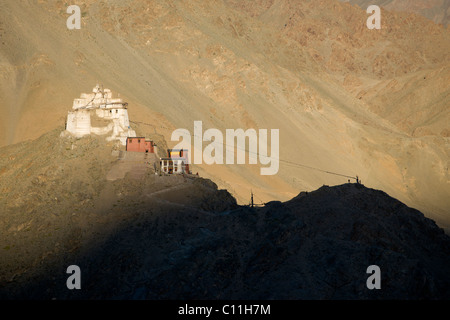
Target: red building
(139, 144)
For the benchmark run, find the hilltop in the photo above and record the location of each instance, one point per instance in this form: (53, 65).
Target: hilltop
(57, 193)
(346, 99)
(146, 236)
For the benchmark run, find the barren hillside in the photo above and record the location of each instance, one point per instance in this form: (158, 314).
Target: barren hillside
(146, 236)
(372, 103)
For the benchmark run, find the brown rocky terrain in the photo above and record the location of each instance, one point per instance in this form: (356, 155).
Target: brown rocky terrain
(146, 236)
(57, 198)
(346, 99)
(353, 101)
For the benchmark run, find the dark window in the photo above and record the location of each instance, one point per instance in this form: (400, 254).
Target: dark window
(139, 140)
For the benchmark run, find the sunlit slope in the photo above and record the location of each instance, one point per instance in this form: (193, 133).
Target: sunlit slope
(233, 67)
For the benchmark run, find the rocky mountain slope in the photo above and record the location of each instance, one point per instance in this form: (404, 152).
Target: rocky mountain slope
(346, 99)
(146, 236)
(57, 198)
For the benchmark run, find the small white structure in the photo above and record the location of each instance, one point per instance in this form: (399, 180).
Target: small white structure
(100, 105)
(173, 165)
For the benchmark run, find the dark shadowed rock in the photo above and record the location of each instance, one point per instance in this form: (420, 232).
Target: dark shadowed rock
(315, 246)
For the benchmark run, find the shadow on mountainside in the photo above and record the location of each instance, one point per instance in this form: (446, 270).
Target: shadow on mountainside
(316, 246)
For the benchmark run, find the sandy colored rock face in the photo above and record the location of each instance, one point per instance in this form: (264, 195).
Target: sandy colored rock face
(346, 99)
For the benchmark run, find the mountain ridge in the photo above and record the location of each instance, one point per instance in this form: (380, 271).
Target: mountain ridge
(346, 99)
(145, 236)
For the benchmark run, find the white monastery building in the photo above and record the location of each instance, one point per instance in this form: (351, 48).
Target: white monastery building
(99, 113)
